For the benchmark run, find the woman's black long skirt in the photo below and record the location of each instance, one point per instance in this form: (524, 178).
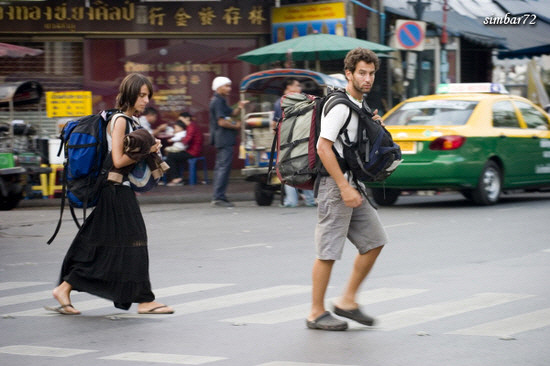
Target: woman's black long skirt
(108, 257)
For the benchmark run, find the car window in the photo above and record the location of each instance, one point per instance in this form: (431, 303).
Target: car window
(504, 115)
(432, 113)
(532, 117)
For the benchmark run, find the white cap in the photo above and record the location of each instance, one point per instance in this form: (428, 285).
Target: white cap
(220, 81)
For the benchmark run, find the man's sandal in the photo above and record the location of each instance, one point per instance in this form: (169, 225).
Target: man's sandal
(327, 322)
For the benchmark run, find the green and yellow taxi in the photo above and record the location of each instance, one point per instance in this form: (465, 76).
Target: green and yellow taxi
(474, 138)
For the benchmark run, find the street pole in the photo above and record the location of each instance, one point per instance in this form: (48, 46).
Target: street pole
(444, 62)
(418, 6)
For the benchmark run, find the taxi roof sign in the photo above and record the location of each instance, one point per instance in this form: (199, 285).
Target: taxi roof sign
(493, 88)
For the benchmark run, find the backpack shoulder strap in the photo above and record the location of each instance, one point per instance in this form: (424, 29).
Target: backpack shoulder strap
(339, 97)
(120, 114)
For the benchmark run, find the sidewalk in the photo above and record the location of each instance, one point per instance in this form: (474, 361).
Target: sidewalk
(238, 190)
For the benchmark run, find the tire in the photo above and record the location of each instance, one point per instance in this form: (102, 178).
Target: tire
(385, 196)
(10, 201)
(263, 194)
(467, 193)
(489, 186)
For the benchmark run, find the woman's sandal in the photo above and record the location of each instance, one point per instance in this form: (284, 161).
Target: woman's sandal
(62, 309)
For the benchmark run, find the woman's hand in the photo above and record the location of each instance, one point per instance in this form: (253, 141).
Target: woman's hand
(156, 147)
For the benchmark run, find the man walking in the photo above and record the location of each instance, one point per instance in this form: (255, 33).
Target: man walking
(342, 211)
(223, 135)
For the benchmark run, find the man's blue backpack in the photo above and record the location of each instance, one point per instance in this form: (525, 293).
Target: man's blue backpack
(87, 162)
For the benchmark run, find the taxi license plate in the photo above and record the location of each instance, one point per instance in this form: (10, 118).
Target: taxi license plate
(407, 147)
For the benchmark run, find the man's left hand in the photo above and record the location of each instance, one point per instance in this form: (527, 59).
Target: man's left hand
(377, 118)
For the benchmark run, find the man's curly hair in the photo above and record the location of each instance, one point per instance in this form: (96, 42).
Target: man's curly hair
(360, 54)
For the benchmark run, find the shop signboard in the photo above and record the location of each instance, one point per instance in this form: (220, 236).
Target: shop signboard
(117, 17)
(299, 20)
(68, 103)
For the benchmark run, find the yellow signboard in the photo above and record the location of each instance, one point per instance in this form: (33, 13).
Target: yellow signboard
(298, 20)
(307, 12)
(68, 104)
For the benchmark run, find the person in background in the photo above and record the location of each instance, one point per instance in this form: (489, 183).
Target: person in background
(187, 146)
(291, 85)
(223, 135)
(148, 120)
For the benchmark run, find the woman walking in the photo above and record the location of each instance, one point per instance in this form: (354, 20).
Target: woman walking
(109, 257)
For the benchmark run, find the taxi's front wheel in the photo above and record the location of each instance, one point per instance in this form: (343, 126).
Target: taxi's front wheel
(385, 196)
(489, 186)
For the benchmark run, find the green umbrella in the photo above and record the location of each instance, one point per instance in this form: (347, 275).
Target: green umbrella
(317, 46)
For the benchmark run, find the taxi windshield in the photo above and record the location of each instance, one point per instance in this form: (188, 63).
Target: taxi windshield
(432, 113)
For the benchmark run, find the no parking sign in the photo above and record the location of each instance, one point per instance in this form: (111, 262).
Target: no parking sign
(410, 35)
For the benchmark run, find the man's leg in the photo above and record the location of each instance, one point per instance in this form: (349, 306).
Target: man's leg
(320, 276)
(291, 196)
(361, 268)
(222, 170)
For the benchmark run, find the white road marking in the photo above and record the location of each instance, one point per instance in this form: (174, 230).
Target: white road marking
(102, 303)
(12, 285)
(23, 298)
(285, 363)
(23, 350)
(422, 314)
(246, 246)
(509, 326)
(301, 311)
(400, 224)
(163, 358)
(239, 298)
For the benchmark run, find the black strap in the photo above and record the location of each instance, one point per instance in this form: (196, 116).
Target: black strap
(63, 194)
(273, 147)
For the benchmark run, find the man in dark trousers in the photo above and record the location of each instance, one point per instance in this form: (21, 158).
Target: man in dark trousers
(223, 135)
(343, 213)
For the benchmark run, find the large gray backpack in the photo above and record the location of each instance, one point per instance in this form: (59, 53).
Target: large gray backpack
(370, 158)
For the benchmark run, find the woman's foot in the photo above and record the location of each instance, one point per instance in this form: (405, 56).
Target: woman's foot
(62, 294)
(175, 182)
(154, 308)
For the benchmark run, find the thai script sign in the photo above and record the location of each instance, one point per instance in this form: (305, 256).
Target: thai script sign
(68, 104)
(110, 16)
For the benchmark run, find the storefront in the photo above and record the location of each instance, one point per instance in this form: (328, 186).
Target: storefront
(92, 45)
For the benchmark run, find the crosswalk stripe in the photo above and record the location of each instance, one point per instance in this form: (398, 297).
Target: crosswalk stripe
(23, 298)
(509, 326)
(23, 350)
(422, 314)
(246, 297)
(163, 358)
(285, 363)
(12, 285)
(301, 311)
(102, 303)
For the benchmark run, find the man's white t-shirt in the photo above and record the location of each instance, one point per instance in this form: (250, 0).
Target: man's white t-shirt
(332, 123)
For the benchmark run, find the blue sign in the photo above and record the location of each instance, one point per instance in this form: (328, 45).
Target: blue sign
(410, 35)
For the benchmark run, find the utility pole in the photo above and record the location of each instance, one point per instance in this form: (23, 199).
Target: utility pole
(416, 58)
(444, 62)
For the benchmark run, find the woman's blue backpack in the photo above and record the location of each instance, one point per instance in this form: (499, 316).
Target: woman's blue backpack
(86, 164)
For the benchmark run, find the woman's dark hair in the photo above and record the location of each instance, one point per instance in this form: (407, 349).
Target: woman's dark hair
(360, 54)
(129, 91)
(181, 124)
